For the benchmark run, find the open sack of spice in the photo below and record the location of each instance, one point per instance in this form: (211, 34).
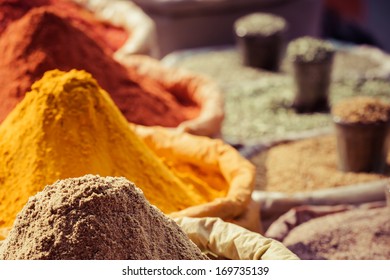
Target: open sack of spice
(348, 166)
(93, 217)
(161, 96)
(258, 102)
(68, 126)
(211, 165)
(350, 231)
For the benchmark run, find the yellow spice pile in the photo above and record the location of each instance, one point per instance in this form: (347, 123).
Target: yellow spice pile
(67, 126)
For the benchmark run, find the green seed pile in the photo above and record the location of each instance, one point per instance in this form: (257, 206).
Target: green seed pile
(259, 24)
(257, 102)
(308, 49)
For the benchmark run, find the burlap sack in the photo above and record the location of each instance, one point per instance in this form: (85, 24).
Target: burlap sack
(302, 214)
(274, 204)
(131, 18)
(186, 86)
(228, 241)
(203, 153)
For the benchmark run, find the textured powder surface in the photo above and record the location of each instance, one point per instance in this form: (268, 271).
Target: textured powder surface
(304, 165)
(259, 24)
(94, 217)
(362, 109)
(353, 235)
(43, 40)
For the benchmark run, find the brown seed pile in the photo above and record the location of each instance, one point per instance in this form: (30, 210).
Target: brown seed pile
(304, 165)
(362, 109)
(308, 49)
(359, 234)
(259, 24)
(94, 217)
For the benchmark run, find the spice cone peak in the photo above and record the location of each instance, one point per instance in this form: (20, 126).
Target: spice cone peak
(67, 126)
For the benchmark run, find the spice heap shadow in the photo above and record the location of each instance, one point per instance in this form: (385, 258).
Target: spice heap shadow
(43, 40)
(94, 217)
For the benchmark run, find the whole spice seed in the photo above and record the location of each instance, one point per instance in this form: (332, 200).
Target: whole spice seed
(95, 217)
(361, 234)
(304, 165)
(259, 24)
(308, 49)
(257, 103)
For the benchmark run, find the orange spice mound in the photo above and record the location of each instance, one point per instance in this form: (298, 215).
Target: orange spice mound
(108, 36)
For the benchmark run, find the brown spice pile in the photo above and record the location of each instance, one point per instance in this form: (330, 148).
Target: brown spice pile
(304, 165)
(361, 110)
(94, 217)
(354, 235)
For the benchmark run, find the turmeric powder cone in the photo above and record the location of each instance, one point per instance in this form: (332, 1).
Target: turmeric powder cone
(67, 126)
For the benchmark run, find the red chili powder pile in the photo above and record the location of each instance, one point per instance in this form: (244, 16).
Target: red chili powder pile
(107, 35)
(42, 40)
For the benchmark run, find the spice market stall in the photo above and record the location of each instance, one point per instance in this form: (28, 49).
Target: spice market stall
(261, 121)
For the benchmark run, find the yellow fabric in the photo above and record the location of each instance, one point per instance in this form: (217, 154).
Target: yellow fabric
(230, 241)
(217, 164)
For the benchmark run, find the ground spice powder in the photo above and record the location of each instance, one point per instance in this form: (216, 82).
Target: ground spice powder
(361, 234)
(92, 217)
(67, 126)
(42, 40)
(304, 165)
(108, 36)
